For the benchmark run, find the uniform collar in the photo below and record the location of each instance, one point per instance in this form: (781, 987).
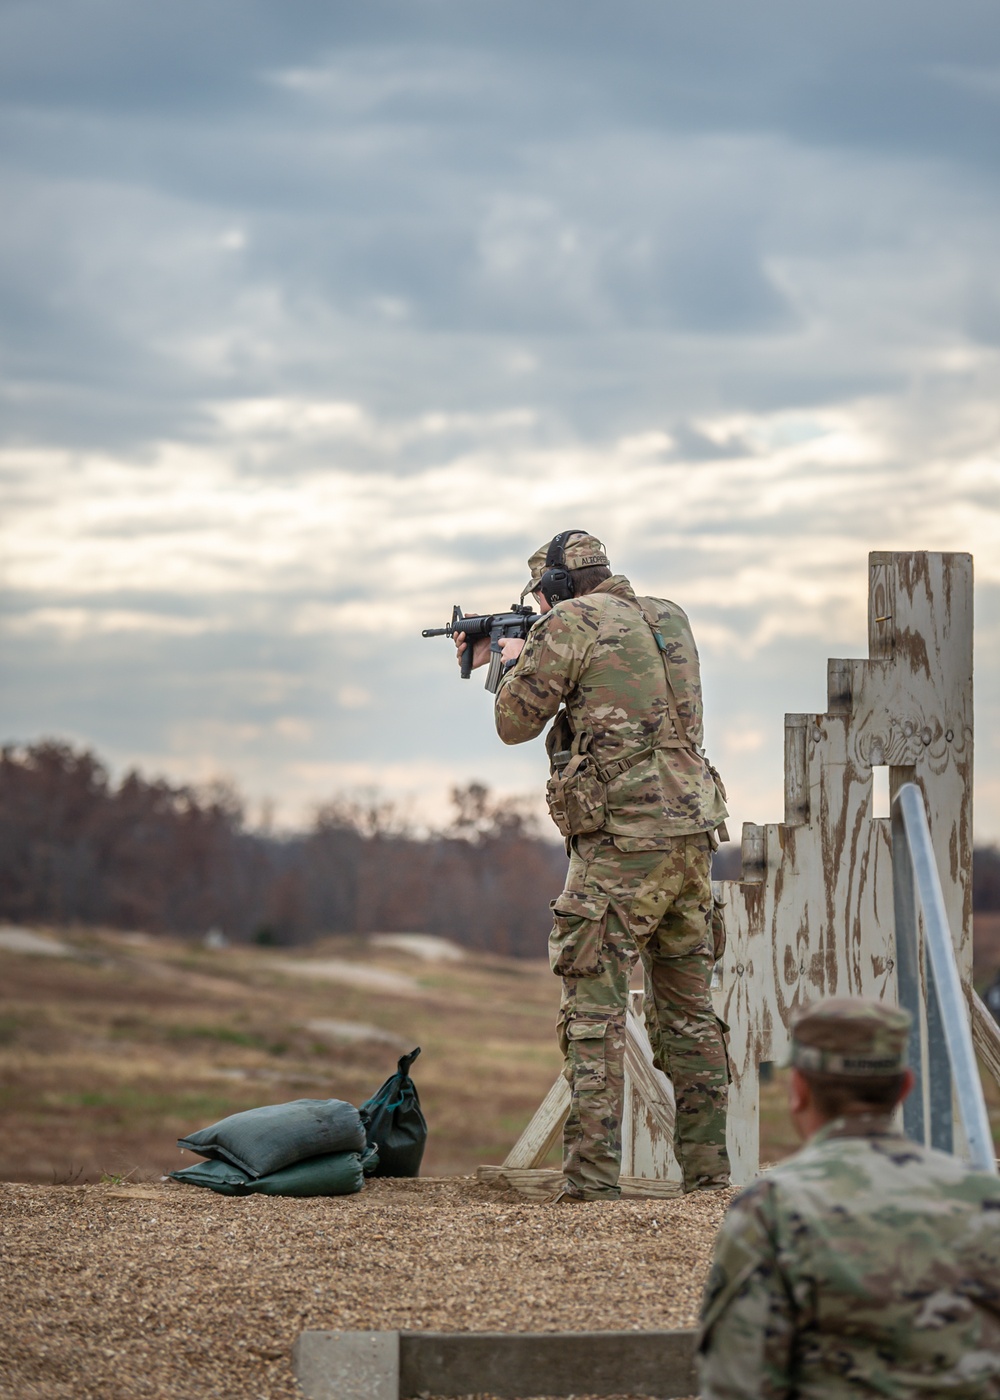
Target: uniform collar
(858, 1125)
(618, 585)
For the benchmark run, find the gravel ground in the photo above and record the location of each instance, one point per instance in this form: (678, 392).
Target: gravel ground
(119, 1291)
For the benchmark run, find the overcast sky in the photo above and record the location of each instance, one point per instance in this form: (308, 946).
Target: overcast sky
(318, 318)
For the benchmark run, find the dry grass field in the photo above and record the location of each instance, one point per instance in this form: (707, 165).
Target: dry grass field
(110, 1054)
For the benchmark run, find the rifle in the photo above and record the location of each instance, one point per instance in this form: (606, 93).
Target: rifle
(505, 624)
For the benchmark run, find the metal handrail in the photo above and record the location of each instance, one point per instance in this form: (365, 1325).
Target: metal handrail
(948, 1034)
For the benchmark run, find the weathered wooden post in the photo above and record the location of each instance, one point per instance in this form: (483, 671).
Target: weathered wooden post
(812, 914)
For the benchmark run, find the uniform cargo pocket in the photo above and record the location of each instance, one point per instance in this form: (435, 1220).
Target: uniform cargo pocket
(585, 1043)
(577, 938)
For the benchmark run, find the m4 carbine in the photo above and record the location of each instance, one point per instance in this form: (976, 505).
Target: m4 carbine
(495, 625)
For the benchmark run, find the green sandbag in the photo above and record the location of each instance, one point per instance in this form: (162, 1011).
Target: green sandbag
(263, 1140)
(217, 1176)
(334, 1174)
(339, 1174)
(395, 1124)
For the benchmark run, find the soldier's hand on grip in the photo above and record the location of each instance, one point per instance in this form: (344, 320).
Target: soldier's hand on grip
(480, 647)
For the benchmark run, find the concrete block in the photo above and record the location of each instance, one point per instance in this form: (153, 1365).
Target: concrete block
(515, 1364)
(399, 1365)
(347, 1365)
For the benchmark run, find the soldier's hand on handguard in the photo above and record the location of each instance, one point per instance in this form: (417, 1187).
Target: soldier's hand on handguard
(480, 648)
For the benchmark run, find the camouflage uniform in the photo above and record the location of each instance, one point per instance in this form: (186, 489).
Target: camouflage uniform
(638, 886)
(864, 1265)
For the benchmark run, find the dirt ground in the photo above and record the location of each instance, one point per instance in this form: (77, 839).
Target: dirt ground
(162, 1290)
(116, 1284)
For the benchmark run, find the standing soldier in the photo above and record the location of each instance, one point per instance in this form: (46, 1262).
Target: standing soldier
(638, 804)
(865, 1264)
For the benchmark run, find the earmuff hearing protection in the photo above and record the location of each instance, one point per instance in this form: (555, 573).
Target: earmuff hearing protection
(556, 583)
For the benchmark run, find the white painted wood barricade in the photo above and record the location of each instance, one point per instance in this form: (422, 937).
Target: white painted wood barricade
(812, 914)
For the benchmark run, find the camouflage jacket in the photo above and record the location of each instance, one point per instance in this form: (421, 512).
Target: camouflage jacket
(597, 655)
(864, 1265)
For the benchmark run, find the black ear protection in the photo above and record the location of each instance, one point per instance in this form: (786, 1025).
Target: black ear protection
(556, 583)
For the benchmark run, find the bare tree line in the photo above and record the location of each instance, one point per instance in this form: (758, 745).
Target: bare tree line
(146, 854)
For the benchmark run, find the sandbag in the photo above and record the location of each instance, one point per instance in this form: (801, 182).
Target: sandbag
(334, 1174)
(216, 1175)
(395, 1124)
(263, 1140)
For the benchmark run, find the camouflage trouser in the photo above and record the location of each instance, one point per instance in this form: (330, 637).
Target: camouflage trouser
(617, 906)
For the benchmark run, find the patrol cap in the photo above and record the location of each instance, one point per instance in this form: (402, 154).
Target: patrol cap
(851, 1035)
(580, 551)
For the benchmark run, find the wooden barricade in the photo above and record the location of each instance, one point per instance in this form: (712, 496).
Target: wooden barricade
(812, 915)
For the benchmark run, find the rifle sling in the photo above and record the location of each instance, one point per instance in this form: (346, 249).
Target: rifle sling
(672, 712)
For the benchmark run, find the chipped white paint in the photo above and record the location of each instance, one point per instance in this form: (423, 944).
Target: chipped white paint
(812, 914)
(648, 1108)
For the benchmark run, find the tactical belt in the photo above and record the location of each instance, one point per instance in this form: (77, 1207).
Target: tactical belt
(622, 765)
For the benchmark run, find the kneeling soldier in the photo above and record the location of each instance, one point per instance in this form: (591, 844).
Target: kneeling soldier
(865, 1264)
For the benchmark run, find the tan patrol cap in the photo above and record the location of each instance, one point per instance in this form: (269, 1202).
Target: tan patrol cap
(581, 551)
(850, 1035)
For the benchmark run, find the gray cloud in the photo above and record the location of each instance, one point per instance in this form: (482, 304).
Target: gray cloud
(516, 241)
